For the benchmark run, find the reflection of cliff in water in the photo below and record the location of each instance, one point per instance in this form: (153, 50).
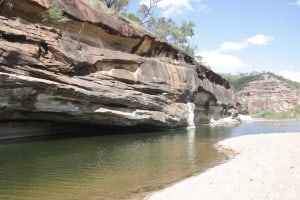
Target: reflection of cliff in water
(112, 167)
(119, 166)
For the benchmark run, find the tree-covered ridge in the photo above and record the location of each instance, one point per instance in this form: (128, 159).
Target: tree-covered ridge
(289, 83)
(239, 81)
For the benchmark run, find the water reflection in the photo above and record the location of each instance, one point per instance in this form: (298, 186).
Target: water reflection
(115, 166)
(191, 134)
(104, 167)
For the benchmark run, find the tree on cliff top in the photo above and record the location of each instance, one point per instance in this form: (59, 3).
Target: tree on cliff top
(145, 12)
(177, 35)
(117, 5)
(165, 28)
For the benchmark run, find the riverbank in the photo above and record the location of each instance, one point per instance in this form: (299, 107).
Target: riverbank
(265, 166)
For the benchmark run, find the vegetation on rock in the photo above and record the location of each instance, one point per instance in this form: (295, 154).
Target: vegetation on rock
(5, 5)
(165, 28)
(176, 35)
(55, 14)
(240, 80)
(117, 5)
(145, 12)
(290, 114)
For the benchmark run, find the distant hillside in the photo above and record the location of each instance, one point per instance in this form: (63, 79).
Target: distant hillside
(239, 81)
(267, 93)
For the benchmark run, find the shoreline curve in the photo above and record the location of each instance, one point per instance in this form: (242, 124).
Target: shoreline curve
(264, 166)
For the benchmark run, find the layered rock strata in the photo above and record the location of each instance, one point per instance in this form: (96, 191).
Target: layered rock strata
(269, 94)
(45, 76)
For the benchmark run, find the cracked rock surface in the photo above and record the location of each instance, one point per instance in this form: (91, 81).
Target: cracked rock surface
(44, 76)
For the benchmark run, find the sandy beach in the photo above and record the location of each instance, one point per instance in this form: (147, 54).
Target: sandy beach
(262, 167)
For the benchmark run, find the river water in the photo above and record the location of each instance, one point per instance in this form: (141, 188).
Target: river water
(125, 166)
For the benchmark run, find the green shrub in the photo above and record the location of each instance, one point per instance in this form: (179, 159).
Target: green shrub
(55, 14)
(239, 81)
(290, 114)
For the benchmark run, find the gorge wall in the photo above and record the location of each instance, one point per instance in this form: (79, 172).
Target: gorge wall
(268, 93)
(117, 75)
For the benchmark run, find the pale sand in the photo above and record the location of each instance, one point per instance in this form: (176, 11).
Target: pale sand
(267, 166)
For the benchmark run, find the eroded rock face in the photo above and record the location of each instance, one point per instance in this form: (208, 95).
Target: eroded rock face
(268, 94)
(44, 76)
(100, 29)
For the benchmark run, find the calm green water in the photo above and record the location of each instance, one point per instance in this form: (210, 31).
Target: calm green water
(114, 167)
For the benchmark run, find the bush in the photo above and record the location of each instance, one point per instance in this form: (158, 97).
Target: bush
(290, 114)
(55, 14)
(239, 81)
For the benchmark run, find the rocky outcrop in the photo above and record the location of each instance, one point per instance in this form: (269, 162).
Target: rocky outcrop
(269, 94)
(100, 28)
(45, 76)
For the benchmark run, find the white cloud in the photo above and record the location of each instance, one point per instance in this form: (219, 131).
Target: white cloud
(258, 39)
(297, 2)
(221, 62)
(292, 75)
(232, 46)
(171, 7)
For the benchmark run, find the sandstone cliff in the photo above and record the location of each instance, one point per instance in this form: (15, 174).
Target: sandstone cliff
(120, 75)
(268, 93)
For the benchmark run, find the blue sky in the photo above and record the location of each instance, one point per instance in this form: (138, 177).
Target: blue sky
(241, 35)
